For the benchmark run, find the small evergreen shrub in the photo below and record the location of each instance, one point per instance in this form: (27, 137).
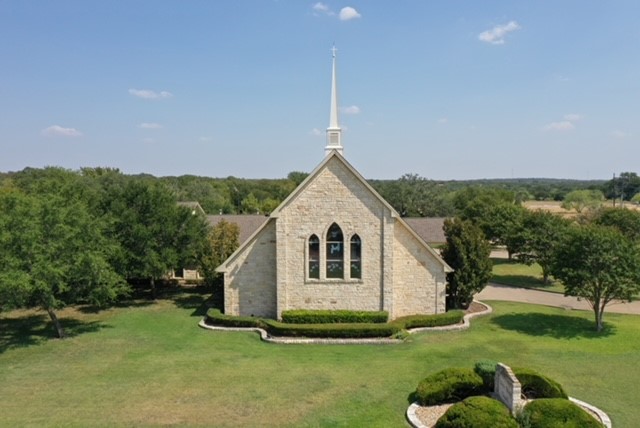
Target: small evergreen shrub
(448, 385)
(304, 316)
(558, 413)
(486, 369)
(330, 330)
(535, 385)
(215, 317)
(415, 321)
(477, 412)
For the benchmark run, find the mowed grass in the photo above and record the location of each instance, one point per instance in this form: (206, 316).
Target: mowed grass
(151, 365)
(511, 272)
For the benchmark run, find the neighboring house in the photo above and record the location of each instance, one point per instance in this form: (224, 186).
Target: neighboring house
(185, 274)
(334, 243)
(193, 206)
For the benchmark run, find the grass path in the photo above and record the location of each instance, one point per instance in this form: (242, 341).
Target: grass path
(150, 365)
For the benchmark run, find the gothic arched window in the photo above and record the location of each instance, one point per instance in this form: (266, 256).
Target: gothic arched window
(335, 252)
(314, 257)
(356, 257)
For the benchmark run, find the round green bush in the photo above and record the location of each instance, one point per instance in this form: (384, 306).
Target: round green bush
(448, 385)
(486, 369)
(535, 385)
(477, 412)
(558, 413)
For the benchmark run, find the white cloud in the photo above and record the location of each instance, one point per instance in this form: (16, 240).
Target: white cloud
(564, 125)
(350, 110)
(147, 125)
(150, 95)
(348, 13)
(59, 131)
(619, 134)
(572, 117)
(321, 7)
(316, 132)
(496, 35)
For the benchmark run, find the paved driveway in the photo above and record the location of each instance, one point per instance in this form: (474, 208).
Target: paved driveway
(515, 294)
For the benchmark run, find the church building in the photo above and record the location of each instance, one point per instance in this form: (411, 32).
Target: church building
(334, 243)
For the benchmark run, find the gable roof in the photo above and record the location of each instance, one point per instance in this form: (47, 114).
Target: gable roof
(247, 223)
(194, 206)
(302, 186)
(430, 229)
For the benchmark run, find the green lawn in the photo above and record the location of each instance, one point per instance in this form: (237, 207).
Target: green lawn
(151, 365)
(510, 272)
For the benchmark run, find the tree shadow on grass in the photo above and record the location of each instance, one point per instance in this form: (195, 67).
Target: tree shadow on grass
(199, 299)
(556, 326)
(35, 329)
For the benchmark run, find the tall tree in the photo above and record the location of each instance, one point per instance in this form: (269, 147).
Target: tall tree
(599, 265)
(53, 253)
(467, 252)
(541, 232)
(626, 221)
(223, 240)
(581, 199)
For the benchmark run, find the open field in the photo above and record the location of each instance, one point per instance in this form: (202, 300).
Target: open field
(150, 365)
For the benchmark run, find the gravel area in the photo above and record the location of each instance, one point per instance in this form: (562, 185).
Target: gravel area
(429, 415)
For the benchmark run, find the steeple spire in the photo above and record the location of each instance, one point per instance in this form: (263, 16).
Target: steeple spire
(334, 132)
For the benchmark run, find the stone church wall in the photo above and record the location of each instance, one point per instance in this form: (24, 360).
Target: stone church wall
(252, 289)
(419, 281)
(335, 195)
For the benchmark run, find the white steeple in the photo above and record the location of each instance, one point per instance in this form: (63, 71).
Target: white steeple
(334, 132)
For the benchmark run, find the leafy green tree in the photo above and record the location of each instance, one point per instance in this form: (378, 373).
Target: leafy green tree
(250, 204)
(467, 252)
(625, 186)
(581, 199)
(223, 240)
(599, 265)
(54, 253)
(541, 232)
(152, 230)
(626, 221)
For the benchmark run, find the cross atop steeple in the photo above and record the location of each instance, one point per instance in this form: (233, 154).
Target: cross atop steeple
(334, 132)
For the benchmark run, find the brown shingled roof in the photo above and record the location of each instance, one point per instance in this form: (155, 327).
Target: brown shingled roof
(430, 229)
(246, 222)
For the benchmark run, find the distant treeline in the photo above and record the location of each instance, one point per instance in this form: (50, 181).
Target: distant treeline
(411, 194)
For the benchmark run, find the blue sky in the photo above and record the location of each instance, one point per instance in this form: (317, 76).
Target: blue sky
(444, 89)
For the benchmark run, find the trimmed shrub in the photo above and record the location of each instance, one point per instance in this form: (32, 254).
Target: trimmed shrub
(486, 369)
(303, 316)
(448, 385)
(535, 385)
(558, 413)
(477, 412)
(416, 321)
(330, 330)
(215, 317)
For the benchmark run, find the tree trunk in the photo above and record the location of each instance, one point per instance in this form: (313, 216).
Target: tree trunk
(56, 323)
(153, 288)
(598, 312)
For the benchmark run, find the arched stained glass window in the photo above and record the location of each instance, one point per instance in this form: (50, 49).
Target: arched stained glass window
(356, 257)
(335, 252)
(314, 257)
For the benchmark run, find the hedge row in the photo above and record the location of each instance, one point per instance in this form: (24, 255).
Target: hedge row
(215, 317)
(334, 328)
(303, 316)
(415, 321)
(557, 412)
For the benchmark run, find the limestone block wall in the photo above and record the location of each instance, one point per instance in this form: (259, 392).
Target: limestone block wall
(252, 289)
(334, 195)
(419, 280)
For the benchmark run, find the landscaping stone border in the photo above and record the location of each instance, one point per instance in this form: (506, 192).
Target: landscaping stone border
(415, 422)
(365, 341)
